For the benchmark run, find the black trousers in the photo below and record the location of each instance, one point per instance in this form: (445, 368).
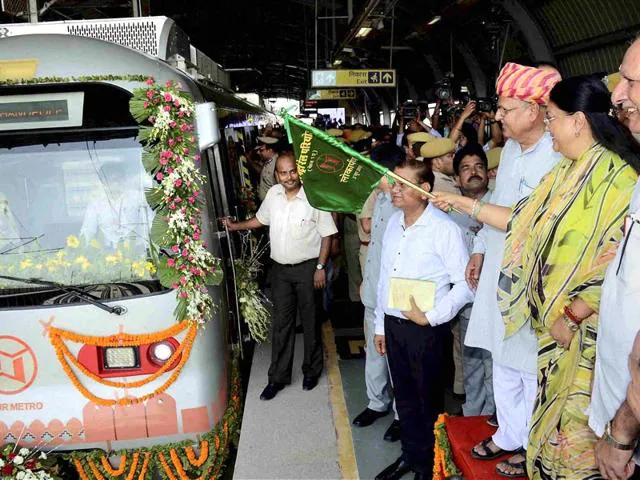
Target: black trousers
(416, 363)
(293, 292)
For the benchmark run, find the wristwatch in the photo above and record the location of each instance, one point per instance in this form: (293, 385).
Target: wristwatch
(608, 438)
(320, 266)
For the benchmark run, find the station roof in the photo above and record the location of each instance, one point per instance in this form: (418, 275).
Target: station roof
(269, 45)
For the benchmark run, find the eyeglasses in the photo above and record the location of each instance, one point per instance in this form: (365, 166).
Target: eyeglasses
(505, 111)
(548, 119)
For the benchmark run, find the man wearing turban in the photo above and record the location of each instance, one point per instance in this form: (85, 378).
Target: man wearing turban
(526, 157)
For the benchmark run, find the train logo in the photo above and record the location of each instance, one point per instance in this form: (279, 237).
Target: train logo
(18, 365)
(329, 164)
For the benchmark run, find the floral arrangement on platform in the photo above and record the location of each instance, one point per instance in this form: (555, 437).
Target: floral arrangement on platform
(443, 466)
(171, 158)
(20, 463)
(253, 303)
(178, 461)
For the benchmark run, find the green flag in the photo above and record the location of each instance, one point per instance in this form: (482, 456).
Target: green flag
(336, 178)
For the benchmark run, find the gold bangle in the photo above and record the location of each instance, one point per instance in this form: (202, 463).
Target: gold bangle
(475, 209)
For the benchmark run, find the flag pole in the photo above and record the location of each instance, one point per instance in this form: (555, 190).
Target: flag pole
(355, 154)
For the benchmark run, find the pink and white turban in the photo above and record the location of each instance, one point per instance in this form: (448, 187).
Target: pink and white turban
(529, 84)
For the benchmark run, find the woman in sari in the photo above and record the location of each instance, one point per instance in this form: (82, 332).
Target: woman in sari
(559, 242)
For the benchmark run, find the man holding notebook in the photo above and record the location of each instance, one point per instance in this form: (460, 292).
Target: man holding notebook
(423, 252)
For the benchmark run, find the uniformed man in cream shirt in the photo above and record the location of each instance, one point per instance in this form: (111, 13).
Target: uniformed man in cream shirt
(300, 237)
(441, 151)
(268, 151)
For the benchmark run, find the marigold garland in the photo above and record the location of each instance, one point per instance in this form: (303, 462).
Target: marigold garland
(119, 339)
(110, 470)
(214, 447)
(204, 453)
(443, 464)
(188, 344)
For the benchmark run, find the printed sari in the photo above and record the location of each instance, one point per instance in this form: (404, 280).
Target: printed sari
(559, 242)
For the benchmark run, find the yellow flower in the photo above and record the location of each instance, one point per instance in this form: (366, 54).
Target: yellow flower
(151, 268)
(60, 254)
(73, 241)
(94, 243)
(81, 259)
(26, 263)
(111, 258)
(39, 266)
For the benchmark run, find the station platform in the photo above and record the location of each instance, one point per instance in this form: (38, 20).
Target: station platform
(308, 434)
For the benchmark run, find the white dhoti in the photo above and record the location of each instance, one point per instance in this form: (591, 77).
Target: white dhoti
(514, 392)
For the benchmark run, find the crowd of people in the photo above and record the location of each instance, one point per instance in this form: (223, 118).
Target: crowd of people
(530, 244)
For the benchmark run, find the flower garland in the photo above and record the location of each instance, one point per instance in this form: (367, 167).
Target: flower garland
(171, 158)
(443, 464)
(253, 303)
(57, 337)
(24, 464)
(175, 461)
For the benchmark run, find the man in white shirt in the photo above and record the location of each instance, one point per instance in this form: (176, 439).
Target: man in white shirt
(268, 151)
(611, 413)
(420, 243)
(470, 164)
(300, 237)
(526, 157)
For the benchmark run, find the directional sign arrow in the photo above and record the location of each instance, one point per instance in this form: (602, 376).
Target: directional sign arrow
(387, 78)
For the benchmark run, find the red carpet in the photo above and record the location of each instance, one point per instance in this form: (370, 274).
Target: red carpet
(464, 433)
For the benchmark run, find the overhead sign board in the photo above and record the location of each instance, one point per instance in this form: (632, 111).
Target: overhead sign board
(352, 78)
(331, 94)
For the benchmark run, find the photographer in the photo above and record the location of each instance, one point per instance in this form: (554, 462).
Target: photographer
(489, 119)
(415, 124)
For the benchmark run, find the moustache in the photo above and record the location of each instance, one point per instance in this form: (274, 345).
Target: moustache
(476, 177)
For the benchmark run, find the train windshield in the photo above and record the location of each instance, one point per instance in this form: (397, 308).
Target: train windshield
(74, 212)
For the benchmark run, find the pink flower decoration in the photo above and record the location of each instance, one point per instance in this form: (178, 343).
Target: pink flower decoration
(179, 138)
(172, 142)
(159, 176)
(150, 94)
(176, 103)
(183, 280)
(149, 81)
(183, 294)
(196, 236)
(146, 104)
(192, 138)
(196, 193)
(185, 252)
(184, 127)
(177, 200)
(171, 262)
(166, 108)
(178, 182)
(175, 248)
(163, 161)
(185, 151)
(175, 286)
(168, 84)
(167, 97)
(190, 258)
(172, 123)
(172, 206)
(191, 200)
(181, 114)
(169, 170)
(156, 100)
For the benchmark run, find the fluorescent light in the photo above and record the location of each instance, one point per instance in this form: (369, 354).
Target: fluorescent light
(435, 20)
(347, 50)
(363, 32)
(337, 61)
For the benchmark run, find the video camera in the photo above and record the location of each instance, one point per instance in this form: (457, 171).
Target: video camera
(444, 90)
(486, 105)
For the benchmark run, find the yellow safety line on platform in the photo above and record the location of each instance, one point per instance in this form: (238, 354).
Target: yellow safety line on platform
(346, 452)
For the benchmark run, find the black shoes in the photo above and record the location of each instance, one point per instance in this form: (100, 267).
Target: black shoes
(393, 432)
(395, 471)
(367, 417)
(309, 383)
(271, 390)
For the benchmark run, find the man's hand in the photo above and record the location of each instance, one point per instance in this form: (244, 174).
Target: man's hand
(469, 109)
(614, 464)
(229, 222)
(319, 279)
(561, 333)
(416, 315)
(378, 341)
(473, 270)
(633, 391)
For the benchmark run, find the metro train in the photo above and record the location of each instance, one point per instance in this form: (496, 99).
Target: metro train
(70, 157)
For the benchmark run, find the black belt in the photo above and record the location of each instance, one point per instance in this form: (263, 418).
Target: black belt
(290, 265)
(398, 320)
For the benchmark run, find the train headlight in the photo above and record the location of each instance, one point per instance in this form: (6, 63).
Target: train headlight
(120, 357)
(161, 352)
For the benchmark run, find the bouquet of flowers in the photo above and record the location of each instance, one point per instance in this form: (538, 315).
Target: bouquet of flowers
(253, 303)
(24, 464)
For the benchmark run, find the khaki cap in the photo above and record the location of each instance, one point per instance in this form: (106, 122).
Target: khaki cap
(437, 148)
(420, 137)
(493, 157)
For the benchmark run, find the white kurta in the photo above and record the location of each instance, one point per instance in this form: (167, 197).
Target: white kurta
(618, 325)
(518, 174)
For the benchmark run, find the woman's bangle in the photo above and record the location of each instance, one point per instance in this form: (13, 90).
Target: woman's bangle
(572, 316)
(571, 325)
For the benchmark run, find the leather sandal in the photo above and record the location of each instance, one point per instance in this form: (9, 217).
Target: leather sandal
(520, 467)
(489, 454)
